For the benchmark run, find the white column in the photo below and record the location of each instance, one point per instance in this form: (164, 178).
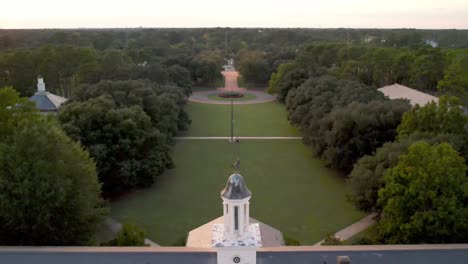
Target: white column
(224, 214)
(241, 219)
(231, 220)
(247, 216)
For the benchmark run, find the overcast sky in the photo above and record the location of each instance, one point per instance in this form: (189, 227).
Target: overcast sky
(240, 13)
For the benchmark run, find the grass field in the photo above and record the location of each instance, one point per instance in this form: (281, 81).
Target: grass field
(292, 191)
(267, 119)
(246, 97)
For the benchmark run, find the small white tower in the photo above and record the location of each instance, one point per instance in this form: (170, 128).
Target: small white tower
(40, 85)
(236, 239)
(236, 201)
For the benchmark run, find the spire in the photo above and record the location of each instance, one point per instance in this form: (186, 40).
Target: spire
(40, 85)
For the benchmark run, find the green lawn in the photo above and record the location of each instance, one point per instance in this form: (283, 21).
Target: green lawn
(247, 96)
(267, 119)
(291, 190)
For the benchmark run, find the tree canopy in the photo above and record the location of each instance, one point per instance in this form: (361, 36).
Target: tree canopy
(424, 199)
(367, 176)
(444, 117)
(128, 150)
(49, 192)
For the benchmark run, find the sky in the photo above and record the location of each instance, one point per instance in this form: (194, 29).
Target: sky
(235, 13)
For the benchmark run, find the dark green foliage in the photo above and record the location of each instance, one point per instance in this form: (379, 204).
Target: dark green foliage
(49, 193)
(164, 104)
(206, 67)
(350, 132)
(318, 96)
(129, 236)
(336, 130)
(332, 240)
(290, 81)
(253, 66)
(424, 199)
(180, 76)
(445, 117)
(455, 81)
(367, 176)
(128, 150)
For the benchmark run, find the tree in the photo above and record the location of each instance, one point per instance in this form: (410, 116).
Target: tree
(444, 117)
(276, 77)
(206, 67)
(180, 76)
(164, 104)
(367, 176)
(424, 200)
(129, 236)
(455, 81)
(49, 193)
(348, 133)
(128, 150)
(427, 69)
(253, 66)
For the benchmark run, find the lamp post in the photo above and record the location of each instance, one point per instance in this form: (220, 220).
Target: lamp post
(232, 115)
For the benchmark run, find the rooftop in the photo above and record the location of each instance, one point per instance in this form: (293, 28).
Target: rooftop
(398, 91)
(47, 102)
(235, 188)
(202, 237)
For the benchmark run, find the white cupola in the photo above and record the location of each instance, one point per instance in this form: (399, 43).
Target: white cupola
(40, 85)
(236, 201)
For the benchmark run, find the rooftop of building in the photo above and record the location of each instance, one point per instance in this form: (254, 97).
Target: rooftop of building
(202, 236)
(382, 254)
(47, 102)
(398, 91)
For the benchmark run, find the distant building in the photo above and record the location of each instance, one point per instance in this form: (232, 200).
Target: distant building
(45, 101)
(432, 43)
(398, 91)
(235, 235)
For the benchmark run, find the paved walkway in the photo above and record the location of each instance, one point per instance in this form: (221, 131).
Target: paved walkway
(240, 138)
(230, 84)
(354, 228)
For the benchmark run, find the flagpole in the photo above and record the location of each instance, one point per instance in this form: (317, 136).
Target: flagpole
(232, 116)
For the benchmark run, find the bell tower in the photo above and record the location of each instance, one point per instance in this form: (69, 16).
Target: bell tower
(236, 239)
(236, 201)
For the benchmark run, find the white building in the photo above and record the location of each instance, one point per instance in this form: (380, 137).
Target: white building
(235, 235)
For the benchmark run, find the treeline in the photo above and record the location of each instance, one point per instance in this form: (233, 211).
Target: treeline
(66, 67)
(238, 38)
(407, 164)
(434, 71)
(120, 53)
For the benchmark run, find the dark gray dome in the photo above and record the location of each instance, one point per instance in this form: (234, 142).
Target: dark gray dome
(235, 188)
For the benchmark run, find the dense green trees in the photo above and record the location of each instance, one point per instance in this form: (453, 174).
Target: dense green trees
(128, 150)
(367, 176)
(49, 193)
(126, 126)
(455, 81)
(424, 200)
(433, 123)
(343, 120)
(350, 132)
(443, 117)
(253, 66)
